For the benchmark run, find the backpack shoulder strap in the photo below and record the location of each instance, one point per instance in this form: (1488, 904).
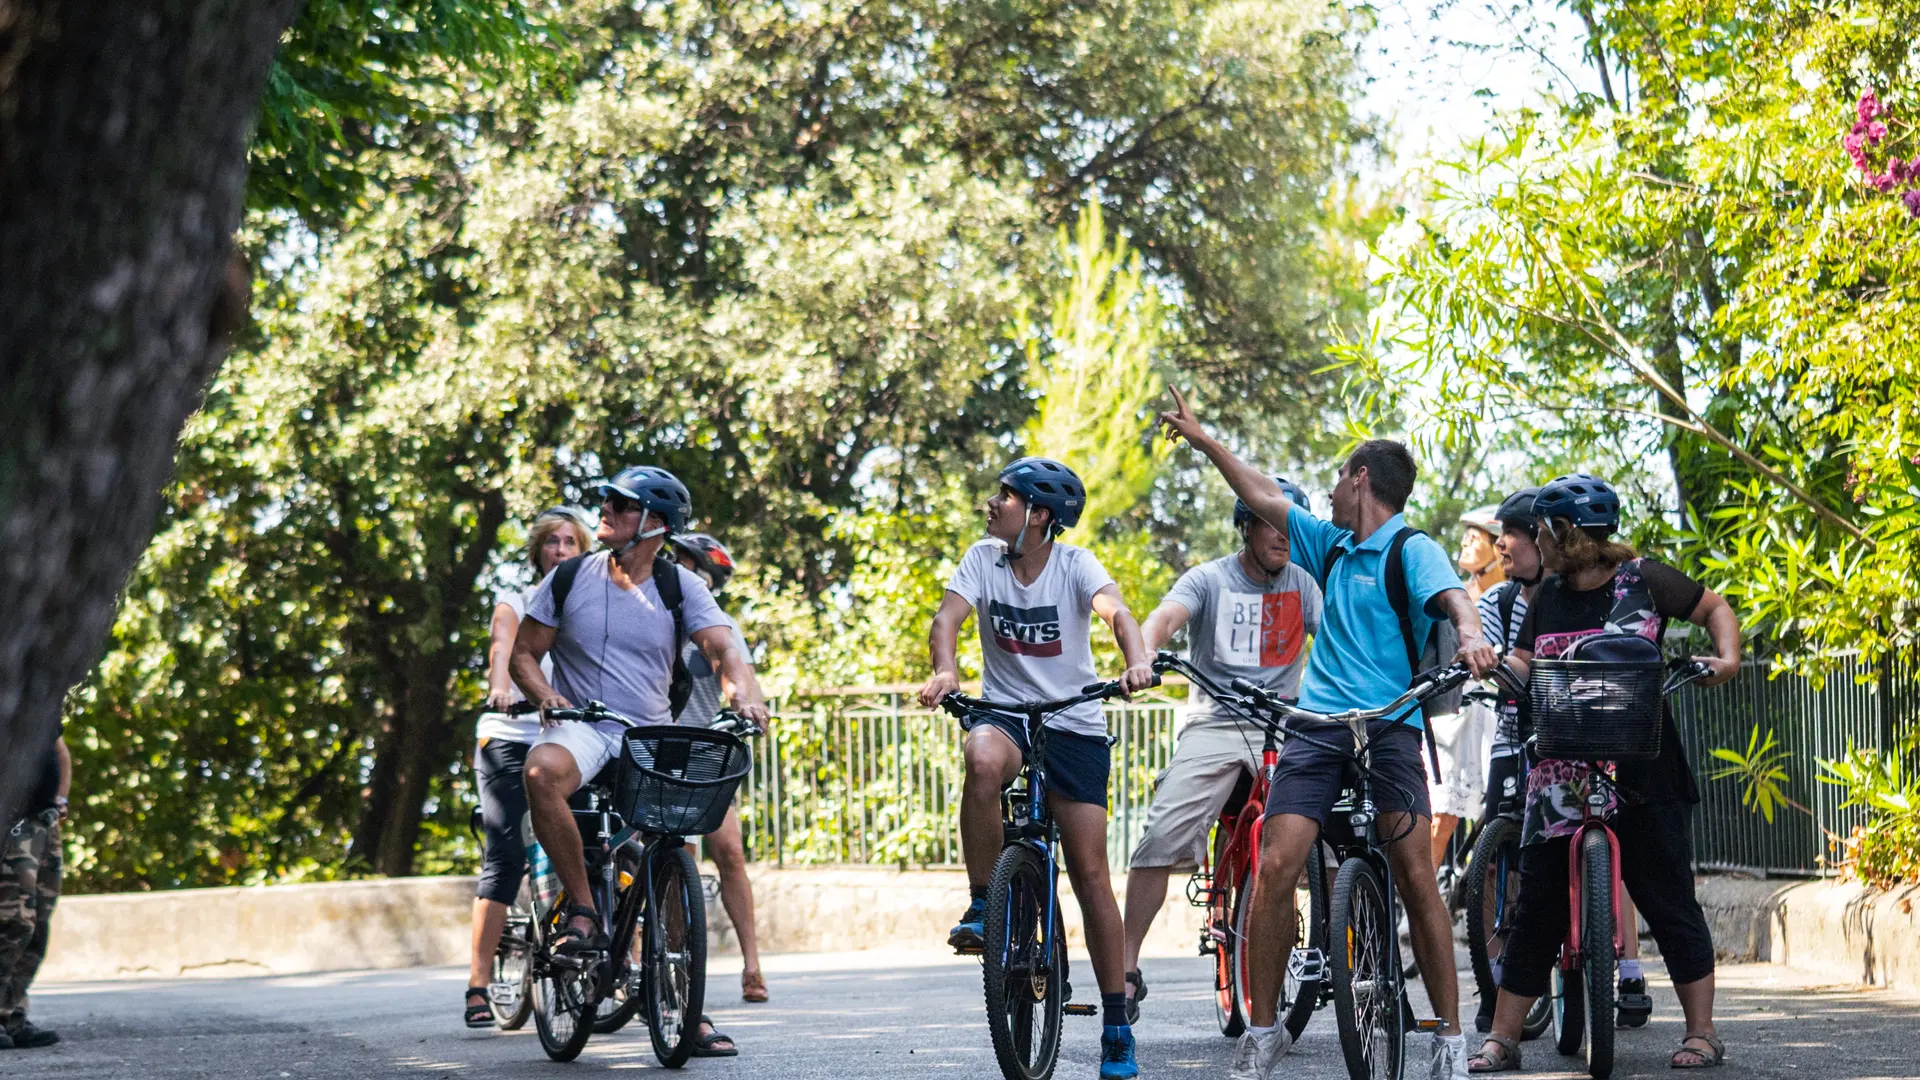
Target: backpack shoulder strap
(1509, 599)
(1326, 569)
(1398, 595)
(666, 580)
(563, 576)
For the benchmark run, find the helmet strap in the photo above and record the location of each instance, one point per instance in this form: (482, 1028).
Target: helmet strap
(1014, 550)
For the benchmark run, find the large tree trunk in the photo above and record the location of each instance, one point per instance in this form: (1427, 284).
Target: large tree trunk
(123, 143)
(413, 749)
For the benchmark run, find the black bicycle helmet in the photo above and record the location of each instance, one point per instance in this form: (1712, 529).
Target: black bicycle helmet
(1516, 511)
(654, 489)
(1243, 517)
(1046, 483)
(708, 554)
(1586, 500)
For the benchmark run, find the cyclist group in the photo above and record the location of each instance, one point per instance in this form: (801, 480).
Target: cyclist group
(1378, 601)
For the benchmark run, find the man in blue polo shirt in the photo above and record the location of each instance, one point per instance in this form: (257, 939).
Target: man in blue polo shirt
(1359, 661)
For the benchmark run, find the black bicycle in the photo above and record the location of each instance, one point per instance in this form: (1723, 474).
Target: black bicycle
(670, 782)
(1363, 964)
(1025, 959)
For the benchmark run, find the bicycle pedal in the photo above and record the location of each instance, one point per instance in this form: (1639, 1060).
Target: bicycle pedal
(1072, 1009)
(970, 950)
(1307, 965)
(1427, 1023)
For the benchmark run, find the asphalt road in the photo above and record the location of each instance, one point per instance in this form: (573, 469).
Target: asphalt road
(848, 1017)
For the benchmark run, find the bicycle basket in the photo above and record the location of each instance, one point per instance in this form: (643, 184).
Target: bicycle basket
(678, 780)
(1596, 710)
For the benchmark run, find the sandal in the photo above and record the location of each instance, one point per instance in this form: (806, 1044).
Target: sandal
(1711, 1058)
(753, 987)
(1139, 984)
(1506, 1060)
(574, 940)
(480, 1015)
(703, 1042)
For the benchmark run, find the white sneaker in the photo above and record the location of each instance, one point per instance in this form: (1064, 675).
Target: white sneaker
(1256, 1054)
(1449, 1057)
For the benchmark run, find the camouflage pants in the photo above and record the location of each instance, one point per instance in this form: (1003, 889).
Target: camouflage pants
(29, 887)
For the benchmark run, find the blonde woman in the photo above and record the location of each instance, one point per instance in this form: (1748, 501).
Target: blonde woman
(557, 535)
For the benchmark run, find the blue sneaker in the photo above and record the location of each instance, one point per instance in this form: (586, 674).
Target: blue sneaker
(1116, 1054)
(970, 933)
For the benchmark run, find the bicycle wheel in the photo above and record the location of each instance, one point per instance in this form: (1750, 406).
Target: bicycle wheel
(1025, 979)
(512, 989)
(1366, 977)
(564, 999)
(1223, 923)
(1569, 1011)
(676, 955)
(1491, 887)
(1596, 948)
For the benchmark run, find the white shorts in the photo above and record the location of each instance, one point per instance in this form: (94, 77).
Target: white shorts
(1462, 743)
(592, 745)
(1208, 762)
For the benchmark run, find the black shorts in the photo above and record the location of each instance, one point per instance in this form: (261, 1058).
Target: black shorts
(1077, 765)
(1309, 778)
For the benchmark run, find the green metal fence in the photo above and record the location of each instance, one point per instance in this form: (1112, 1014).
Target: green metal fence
(869, 777)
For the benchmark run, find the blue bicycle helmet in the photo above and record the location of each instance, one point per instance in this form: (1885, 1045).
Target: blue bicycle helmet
(1516, 511)
(1586, 500)
(1046, 483)
(654, 489)
(1243, 517)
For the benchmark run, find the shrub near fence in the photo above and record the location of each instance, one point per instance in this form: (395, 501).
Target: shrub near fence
(868, 777)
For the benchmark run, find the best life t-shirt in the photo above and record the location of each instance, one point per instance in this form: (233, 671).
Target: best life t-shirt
(1242, 628)
(615, 645)
(1560, 616)
(703, 704)
(1359, 659)
(505, 726)
(1034, 639)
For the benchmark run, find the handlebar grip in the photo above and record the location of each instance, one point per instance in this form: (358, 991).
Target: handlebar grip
(1242, 686)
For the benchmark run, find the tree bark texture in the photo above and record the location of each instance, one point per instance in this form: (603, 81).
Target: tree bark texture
(123, 162)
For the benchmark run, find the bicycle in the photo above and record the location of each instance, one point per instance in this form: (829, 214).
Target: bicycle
(1025, 961)
(1223, 885)
(670, 782)
(1363, 964)
(1491, 886)
(1596, 711)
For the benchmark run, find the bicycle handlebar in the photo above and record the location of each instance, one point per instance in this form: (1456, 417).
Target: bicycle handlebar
(959, 704)
(593, 711)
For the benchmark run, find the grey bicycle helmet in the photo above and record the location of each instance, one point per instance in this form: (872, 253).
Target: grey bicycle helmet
(1044, 482)
(1584, 499)
(1243, 516)
(654, 489)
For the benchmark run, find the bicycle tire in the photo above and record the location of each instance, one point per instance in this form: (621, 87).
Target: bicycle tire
(676, 954)
(1597, 950)
(1365, 972)
(1539, 1019)
(1023, 987)
(1569, 1011)
(1223, 921)
(513, 960)
(564, 1001)
(1496, 855)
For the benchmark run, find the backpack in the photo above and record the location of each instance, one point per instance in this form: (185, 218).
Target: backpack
(1509, 599)
(666, 579)
(1441, 644)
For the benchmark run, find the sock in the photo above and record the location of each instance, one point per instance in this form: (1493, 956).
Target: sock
(1113, 1009)
(1495, 965)
(1260, 1032)
(1630, 969)
(978, 892)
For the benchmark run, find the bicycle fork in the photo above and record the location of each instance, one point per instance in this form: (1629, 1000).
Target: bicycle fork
(1576, 891)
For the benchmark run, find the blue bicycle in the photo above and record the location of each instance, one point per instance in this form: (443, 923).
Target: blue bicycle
(1025, 958)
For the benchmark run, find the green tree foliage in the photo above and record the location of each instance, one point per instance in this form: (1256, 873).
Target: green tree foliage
(1687, 260)
(780, 253)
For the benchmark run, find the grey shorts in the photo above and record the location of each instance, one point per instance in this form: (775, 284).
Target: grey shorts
(1210, 760)
(1309, 779)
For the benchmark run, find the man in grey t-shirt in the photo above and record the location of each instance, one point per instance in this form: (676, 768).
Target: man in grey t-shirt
(1247, 616)
(613, 641)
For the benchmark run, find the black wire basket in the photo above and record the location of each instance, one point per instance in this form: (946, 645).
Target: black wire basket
(1596, 710)
(677, 779)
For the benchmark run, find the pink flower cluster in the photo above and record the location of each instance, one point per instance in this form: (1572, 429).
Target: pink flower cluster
(1868, 132)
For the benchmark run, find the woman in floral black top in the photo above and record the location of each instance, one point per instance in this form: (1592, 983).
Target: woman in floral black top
(1600, 586)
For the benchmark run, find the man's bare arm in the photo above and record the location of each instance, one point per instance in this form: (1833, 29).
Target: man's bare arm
(1254, 487)
(530, 645)
(737, 680)
(1112, 609)
(943, 642)
(1474, 650)
(1162, 623)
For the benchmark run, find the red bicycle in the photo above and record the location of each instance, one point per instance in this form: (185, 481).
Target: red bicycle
(1596, 711)
(1223, 885)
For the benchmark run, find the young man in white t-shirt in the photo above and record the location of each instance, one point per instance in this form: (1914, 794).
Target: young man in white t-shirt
(1035, 599)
